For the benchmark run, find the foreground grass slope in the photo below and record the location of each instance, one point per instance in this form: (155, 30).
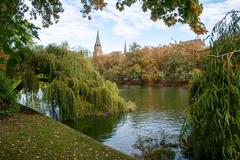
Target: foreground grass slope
(28, 135)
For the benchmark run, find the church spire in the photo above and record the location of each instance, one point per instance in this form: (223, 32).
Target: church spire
(98, 39)
(125, 48)
(97, 46)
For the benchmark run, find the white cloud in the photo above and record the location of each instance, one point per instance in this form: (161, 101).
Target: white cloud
(71, 27)
(213, 12)
(131, 22)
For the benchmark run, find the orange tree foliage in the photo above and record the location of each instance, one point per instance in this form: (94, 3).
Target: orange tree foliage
(150, 64)
(3, 60)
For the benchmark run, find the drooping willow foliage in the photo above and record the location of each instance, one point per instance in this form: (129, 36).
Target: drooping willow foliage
(67, 79)
(212, 127)
(8, 99)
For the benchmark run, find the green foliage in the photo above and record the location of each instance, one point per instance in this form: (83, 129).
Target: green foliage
(8, 100)
(160, 154)
(67, 80)
(154, 148)
(178, 66)
(16, 30)
(171, 11)
(212, 128)
(134, 46)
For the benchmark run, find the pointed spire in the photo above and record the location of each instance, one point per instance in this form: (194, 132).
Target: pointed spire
(97, 46)
(125, 48)
(97, 39)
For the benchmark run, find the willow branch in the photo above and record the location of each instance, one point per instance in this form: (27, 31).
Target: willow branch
(225, 54)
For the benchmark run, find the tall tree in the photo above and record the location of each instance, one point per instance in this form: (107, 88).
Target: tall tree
(67, 79)
(212, 128)
(16, 30)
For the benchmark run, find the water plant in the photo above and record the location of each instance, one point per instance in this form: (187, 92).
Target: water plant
(155, 147)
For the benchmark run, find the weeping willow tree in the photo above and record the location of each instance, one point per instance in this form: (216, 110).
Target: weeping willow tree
(212, 127)
(67, 79)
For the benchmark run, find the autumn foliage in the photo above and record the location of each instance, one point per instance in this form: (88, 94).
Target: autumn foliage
(178, 61)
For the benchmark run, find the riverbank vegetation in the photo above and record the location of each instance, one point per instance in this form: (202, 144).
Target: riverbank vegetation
(8, 97)
(212, 128)
(155, 148)
(67, 80)
(174, 62)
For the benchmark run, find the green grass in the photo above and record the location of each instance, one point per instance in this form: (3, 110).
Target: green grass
(33, 136)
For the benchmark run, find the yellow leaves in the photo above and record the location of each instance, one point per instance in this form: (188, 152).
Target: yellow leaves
(196, 8)
(3, 7)
(100, 4)
(3, 59)
(199, 28)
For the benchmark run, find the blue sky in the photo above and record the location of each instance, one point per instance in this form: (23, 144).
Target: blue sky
(131, 25)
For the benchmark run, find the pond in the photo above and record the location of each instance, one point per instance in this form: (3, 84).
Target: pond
(158, 109)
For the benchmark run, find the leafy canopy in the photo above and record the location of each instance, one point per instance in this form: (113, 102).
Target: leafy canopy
(170, 11)
(17, 30)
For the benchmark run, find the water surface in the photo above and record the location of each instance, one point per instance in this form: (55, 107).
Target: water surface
(157, 110)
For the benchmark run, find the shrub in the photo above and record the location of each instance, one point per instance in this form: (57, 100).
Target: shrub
(156, 147)
(8, 98)
(161, 153)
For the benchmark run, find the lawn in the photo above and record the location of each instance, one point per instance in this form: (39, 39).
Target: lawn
(29, 135)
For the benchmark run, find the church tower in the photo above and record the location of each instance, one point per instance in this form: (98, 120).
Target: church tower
(97, 47)
(125, 48)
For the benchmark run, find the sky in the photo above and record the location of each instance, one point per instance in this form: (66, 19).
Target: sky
(130, 25)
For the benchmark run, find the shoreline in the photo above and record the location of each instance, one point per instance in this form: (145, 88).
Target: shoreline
(161, 83)
(31, 135)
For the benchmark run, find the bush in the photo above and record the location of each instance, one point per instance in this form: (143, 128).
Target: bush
(155, 148)
(160, 154)
(8, 98)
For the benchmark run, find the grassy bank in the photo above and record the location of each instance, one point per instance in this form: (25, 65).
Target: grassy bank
(29, 135)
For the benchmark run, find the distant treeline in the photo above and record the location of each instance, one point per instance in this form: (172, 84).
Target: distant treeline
(173, 62)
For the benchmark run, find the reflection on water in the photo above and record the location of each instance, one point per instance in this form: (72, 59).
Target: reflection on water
(157, 109)
(36, 102)
(99, 127)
